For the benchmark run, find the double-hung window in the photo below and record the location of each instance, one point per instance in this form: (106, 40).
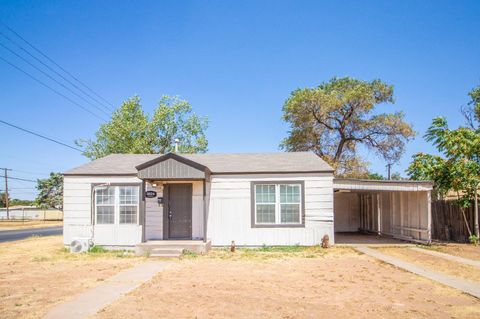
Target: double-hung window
(117, 204)
(128, 204)
(277, 204)
(105, 204)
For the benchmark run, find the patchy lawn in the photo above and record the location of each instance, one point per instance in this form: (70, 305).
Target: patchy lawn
(37, 273)
(15, 224)
(462, 250)
(434, 263)
(289, 283)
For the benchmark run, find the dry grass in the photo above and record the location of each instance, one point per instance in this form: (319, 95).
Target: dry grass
(277, 252)
(290, 283)
(434, 263)
(15, 224)
(462, 250)
(37, 273)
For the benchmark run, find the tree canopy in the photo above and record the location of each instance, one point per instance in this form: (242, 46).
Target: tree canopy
(458, 169)
(472, 110)
(130, 130)
(50, 191)
(338, 116)
(3, 199)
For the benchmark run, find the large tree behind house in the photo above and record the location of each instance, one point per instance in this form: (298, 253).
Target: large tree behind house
(338, 116)
(130, 130)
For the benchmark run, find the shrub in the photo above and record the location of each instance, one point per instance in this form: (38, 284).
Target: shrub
(473, 239)
(97, 250)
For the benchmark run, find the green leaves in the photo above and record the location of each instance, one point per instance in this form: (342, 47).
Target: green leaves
(132, 131)
(50, 192)
(336, 117)
(459, 170)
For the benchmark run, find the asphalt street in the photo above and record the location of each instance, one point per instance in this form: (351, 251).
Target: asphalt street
(11, 235)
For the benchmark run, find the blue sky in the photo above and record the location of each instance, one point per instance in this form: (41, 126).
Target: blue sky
(235, 61)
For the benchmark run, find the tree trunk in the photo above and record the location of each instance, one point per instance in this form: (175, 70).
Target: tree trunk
(339, 151)
(465, 217)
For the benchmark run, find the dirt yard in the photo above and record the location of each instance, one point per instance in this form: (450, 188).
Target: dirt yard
(435, 263)
(289, 284)
(37, 273)
(461, 250)
(14, 224)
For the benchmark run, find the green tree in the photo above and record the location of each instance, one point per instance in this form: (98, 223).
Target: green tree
(459, 168)
(472, 110)
(338, 116)
(132, 131)
(50, 192)
(3, 202)
(375, 176)
(21, 202)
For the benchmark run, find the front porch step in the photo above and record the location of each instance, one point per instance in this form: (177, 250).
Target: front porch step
(166, 252)
(175, 247)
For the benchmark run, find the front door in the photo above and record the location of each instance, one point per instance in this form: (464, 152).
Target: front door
(179, 211)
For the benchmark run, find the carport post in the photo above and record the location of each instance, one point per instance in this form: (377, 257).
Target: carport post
(429, 215)
(379, 215)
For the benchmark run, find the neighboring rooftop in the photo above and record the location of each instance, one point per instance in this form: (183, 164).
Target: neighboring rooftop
(124, 164)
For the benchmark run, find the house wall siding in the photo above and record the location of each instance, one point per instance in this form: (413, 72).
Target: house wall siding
(347, 212)
(229, 215)
(228, 206)
(77, 209)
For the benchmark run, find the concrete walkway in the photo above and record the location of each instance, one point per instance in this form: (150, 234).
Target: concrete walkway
(465, 286)
(90, 302)
(461, 260)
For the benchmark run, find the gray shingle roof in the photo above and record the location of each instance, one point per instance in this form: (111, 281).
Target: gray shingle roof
(124, 164)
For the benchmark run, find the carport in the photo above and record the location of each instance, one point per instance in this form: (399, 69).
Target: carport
(396, 209)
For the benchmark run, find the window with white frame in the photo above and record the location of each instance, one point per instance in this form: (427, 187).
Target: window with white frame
(277, 203)
(128, 204)
(117, 204)
(105, 205)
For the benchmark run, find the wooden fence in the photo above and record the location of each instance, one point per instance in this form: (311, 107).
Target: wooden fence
(448, 223)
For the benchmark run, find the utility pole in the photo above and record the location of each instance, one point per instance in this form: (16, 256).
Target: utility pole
(389, 167)
(5, 170)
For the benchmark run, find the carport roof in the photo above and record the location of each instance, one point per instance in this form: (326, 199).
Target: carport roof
(381, 185)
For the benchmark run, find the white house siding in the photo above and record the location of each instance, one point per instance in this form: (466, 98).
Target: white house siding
(154, 211)
(347, 212)
(154, 214)
(229, 215)
(401, 214)
(77, 205)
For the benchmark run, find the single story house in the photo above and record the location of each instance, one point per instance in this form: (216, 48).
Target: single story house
(123, 200)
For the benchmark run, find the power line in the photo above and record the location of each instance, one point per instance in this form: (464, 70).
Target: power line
(19, 179)
(51, 69)
(30, 172)
(39, 135)
(56, 64)
(54, 90)
(52, 78)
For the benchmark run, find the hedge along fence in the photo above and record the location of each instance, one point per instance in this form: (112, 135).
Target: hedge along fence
(448, 223)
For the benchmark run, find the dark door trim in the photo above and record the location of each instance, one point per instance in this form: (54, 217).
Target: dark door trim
(166, 221)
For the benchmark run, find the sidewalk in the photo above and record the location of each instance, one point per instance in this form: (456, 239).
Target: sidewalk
(465, 286)
(90, 302)
(457, 259)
